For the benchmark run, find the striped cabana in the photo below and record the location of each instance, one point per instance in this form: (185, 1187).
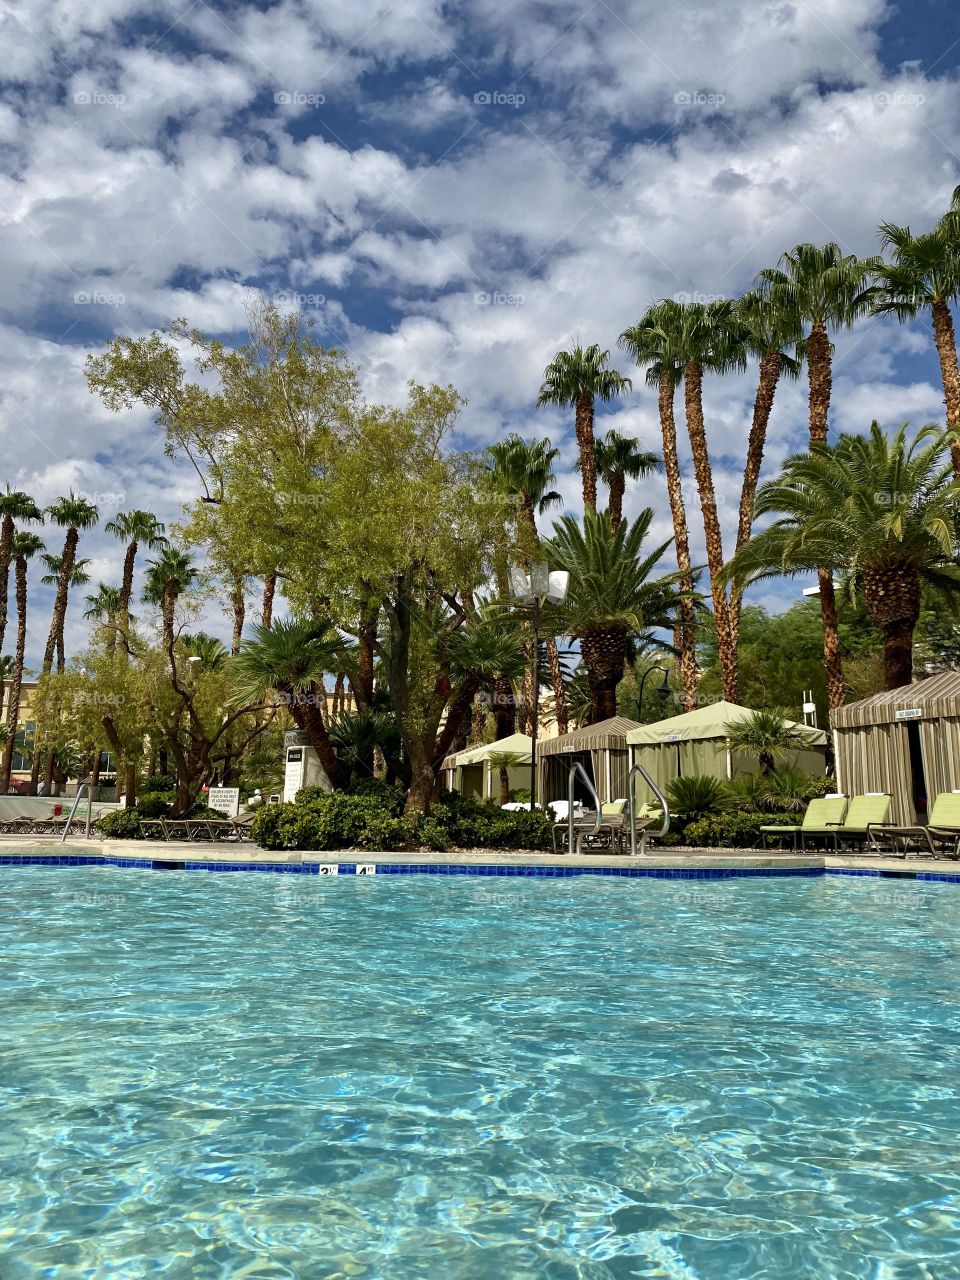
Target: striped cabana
(905, 741)
(602, 750)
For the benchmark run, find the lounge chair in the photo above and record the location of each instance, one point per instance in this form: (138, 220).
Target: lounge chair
(941, 832)
(606, 836)
(819, 820)
(864, 813)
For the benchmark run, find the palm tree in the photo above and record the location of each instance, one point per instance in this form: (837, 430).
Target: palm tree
(579, 377)
(830, 290)
(168, 577)
(651, 342)
(23, 547)
(769, 326)
(104, 608)
(768, 735)
(925, 276)
(611, 596)
(14, 505)
(619, 457)
(486, 646)
(78, 578)
(6, 671)
(882, 512)
(213, 654)
(73, 514)
(523, 471)
(503, 762)
(134, 528)
(291, 659)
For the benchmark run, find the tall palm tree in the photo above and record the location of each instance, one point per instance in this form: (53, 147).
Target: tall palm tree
(883, 512)
(830, 290)
(14, 505)
(291, 659)
(168, 577)
(134, 528)
(618, 459)
(73, 514)
(104, 607)
(23, 546)
(611, 596)
(652, 342)
(925, 276)
(523, 471)
(769, 327)
(578, 378)
(78, 578)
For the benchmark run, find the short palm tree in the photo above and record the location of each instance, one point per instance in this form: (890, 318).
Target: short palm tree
(611, 597)
(291, 659)
(73, 514)
(618, 459)
(213, 654)
(168, 577)
(924, 275)
(652, 343)
(103, 607)
(25, 545)
(15, 505)
(503, 762)
(578, 378)
(830, 290)
(766, 734)
(880, 510)
(135, 528)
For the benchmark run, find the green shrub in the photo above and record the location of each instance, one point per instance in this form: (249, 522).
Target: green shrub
(698, 796)
(157, 804)
(158, 782)
(120, 824)
(391, 799)
(733, 830)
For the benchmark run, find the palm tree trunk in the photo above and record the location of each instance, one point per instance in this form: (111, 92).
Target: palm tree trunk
(525, 717)
(560, 709)
(504, 707)
(58, 620)
(770, 367)
(617, 488)
(504, 787)
(684, 637)
(585, 443)
(269, 590)
(61, 654)
(820, 378)
(13, 710)
(6, 546)
(239, 606)
(727, 653)
(168, 610)
(947, 351)
(126, 585)
(604, 655)
(898, 653)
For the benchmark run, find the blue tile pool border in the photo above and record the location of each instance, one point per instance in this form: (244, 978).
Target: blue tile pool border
(468, 869)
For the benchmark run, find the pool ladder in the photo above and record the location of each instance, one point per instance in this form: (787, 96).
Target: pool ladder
(76, 806)
(636, 771)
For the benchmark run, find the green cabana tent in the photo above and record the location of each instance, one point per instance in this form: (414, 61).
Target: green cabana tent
(471, 773)
(601, 749)
(697, 743)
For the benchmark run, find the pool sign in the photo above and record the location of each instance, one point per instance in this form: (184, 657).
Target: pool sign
(366, 868)
(908, 713)
(224, 800)
(329, 869)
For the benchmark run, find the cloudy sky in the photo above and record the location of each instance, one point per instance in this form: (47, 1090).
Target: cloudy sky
(453, 191)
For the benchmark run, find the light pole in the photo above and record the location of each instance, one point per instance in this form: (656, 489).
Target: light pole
(663, 691)
(531, 588)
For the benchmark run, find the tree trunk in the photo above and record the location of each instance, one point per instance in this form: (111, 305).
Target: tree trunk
(696, 429)
(239, 605)
(604, 654)
(770, 367)
(560, 709)
(423, 780)
(898, 653)
(684, 634)
(61, 655)
(366, 643)
(617, 488)
(312, 722)
(585, 443)
(130, 783)
(6, 547)
(48, 772)
(947, 351)
(168, 612)
(269, 590)
(525, 716)
(58, 620)
(504, 787)
(504, 707)
(126, 587)
(13, 709)
(820, 378)
(95, 772)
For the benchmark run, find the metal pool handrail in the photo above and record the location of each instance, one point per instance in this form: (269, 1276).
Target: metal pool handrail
(76, 805)
(631, 806)
(574, 768)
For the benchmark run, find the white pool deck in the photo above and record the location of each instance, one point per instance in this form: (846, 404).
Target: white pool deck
(656, 859)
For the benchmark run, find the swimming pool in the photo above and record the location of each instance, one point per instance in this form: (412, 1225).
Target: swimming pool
(226, 1076)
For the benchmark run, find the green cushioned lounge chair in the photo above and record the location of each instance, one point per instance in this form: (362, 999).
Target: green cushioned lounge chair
(940, 835)
(820, 819)
(864, 812)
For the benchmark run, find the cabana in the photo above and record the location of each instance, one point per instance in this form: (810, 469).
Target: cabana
(471, 773)
(602, 750)
(905, 742)
(697, 742)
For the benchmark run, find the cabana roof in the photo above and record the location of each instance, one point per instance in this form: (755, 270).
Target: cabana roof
(610, 733)
(929, 699)
(712, 721)
(517, 744)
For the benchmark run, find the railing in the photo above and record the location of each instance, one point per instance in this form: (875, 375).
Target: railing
(574, 769)
(632, 808)
(76, 806)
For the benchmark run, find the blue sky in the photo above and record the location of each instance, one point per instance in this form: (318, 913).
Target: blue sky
(453, 192)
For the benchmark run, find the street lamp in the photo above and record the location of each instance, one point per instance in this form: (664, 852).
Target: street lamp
(531, 588)
(663, 691)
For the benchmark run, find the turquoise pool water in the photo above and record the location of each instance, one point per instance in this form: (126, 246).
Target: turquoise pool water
(255, 1076)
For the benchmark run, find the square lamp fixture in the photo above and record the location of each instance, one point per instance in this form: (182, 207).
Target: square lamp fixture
(539, 584)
